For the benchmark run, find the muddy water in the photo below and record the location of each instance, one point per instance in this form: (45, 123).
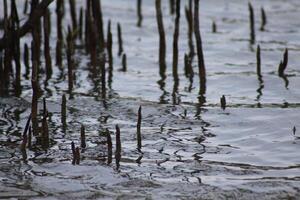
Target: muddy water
(191, 149)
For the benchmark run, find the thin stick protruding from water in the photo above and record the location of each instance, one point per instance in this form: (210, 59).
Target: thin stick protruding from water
(201, 63)
(138, 129)
(139, 13)
(82, 137)
(63, 109)
(109, 147)
(120, 40)
(283, 63)
(118, 147)
(175, 41)
(252, 23)
(258, 61)
(162, 39)
(263, 19)
(124, 62)
(223, 102)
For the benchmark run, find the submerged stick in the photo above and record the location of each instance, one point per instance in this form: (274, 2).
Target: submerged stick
(201, 64)
(162, 39)
(258, 60)
(120, 40)
(175, 42)
(138, 129)
(139, 13)
(252, 24)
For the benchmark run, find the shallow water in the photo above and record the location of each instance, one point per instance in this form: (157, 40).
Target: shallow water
(246, 151)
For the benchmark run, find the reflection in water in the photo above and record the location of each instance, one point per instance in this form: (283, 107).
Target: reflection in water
(260, 88)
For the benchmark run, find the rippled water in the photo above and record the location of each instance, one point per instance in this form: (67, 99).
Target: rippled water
(190, 149)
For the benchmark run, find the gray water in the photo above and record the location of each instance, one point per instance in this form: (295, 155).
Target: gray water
(246, 151)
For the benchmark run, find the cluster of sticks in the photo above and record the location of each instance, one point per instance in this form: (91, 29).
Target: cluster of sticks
(88, 28)
(44, 141)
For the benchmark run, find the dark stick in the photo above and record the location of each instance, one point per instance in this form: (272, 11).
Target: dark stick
(109, 46)
(63, 109)
(26, 59)
(70, 50)
(109, 147)
(59, 43)
(25, 7)
(258, 59)
(175, 42)
(80, 32)
(172, 6)
(162, 39)
(120, 40)
(118, 147)
(252, 24)
(73, 153)
(223, 102)
(201, 64)
(73, 14)
(29, 138)
(82, 137)
(263, 19)
(77, 157)
(35, 88)
(97, 14)
(45, 132)
(214, 27)
(283, 64)
(47, 45)
(139, 13)
(138, 129)
(124, 62)
(103, 78)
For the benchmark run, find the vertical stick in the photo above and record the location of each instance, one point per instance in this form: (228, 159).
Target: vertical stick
(124, 62)
(175, 42)
(172, 6)
(138, 129)
(201, 64)
(34, 85)
(59, 42)
(109, 46)
(109, 147)
(214, 27)
(258, 59)
(118, 147)
(81, 23)
(120, 40)
(63, 109)
(26, 59)
(70, 61)
(97, 14)
(223, 102)
(283, 64)
(189, 17)
(73, 14)
(103, 74)
(46, 45)
(82, 137)
(252, 24)
(162, 39)
(139, 13)
(263, 19)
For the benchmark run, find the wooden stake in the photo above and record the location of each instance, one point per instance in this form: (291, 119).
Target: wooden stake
(138, 129)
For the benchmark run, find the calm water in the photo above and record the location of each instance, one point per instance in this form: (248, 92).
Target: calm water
(190, 150)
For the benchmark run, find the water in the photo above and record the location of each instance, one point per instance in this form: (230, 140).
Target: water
(246, 151)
